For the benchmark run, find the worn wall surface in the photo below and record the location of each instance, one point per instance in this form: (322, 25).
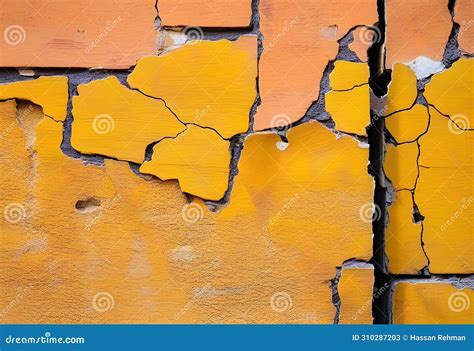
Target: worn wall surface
(269, 161)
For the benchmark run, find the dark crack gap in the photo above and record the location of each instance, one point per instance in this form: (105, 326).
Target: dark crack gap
(378, 82)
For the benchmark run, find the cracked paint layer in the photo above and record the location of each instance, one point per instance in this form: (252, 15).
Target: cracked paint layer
(412, 33)
(438, 168)
(407, 126)
(231, 278)
(199, 158)
(463, 17)
(444, 195)
(208, 83)
(355, 292)
(81, 33)
(403, 237)
(402, 92)
(51, 93)
(205, 13)
(431, 303)
(347, 75)
(349, 101)
(114, 121)
(350, 109)
(451, 92)
(401, 165)
(299, 41)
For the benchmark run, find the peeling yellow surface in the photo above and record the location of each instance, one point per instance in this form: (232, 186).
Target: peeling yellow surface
(199, 158)
(346, 75)
(452, 91)
(403, 237)
(209, 83)
(112, 120)
(400, 165)
(355, 291)
(402, 90)
(407, 126)
(350, 109)
(51, 93)
(313, 163)
(444, 195)
(154, 258)
(432, 303)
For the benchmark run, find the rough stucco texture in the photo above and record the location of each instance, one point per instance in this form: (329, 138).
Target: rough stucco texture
(208, 162)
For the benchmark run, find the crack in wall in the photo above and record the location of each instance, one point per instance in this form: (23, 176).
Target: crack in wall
(451, 54)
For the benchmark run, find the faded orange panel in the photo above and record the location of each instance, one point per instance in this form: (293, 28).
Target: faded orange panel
(463, 16)
(431, 302)
(416, 28)
(299, 41)
(355, 291)
(205, 13)
(401, 166)
(403, 241)
(112, 120)
(81, 33)
(208, 83)
(362, 41)
(198, 158)
(444, 195)
(51, 93)
(407, 126)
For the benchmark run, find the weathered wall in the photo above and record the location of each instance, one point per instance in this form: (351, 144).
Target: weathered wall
(236, 162)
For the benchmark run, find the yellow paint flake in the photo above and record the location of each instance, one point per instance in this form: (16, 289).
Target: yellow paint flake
(355, 291)
(199, 158)
(402, 90)
(209, 83)
(313, 163)
(347, 75)
(452, 91)
(291, 208)
(51, 93)
(407, 126)
(114, 121)
(401, 165)
(403, 237)
(350, 109)
(444, 195)
(431, 303)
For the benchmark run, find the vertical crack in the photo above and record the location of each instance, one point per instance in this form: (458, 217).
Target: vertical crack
(379, 79)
